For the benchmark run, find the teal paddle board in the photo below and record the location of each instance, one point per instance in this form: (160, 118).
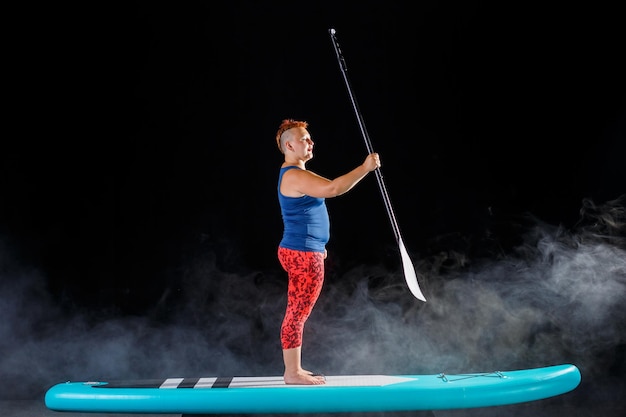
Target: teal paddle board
(341, 393)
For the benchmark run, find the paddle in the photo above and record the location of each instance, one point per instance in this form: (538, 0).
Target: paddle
(409, 270)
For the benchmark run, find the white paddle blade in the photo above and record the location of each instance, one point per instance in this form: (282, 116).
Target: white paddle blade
(409, 273)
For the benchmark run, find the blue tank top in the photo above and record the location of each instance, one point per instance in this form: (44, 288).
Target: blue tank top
(305, 220)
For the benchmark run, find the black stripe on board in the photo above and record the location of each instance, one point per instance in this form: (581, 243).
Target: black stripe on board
(188, 383)
(143, 383)
(222, 382)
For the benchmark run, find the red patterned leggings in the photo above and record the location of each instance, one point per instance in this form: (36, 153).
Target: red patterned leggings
(306, 276)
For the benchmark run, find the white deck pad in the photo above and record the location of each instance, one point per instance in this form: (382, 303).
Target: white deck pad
(278, 382)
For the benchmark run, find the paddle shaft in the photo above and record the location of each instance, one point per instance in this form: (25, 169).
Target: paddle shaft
(368, 142)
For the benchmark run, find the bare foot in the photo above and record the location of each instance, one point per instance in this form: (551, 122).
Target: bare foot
(304, 378)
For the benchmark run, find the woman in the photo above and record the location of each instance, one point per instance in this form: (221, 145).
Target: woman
(302, 250)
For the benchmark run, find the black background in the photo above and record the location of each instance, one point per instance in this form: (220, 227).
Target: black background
(143, 141)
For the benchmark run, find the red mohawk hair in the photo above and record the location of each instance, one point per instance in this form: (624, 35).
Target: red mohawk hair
(286, 125)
